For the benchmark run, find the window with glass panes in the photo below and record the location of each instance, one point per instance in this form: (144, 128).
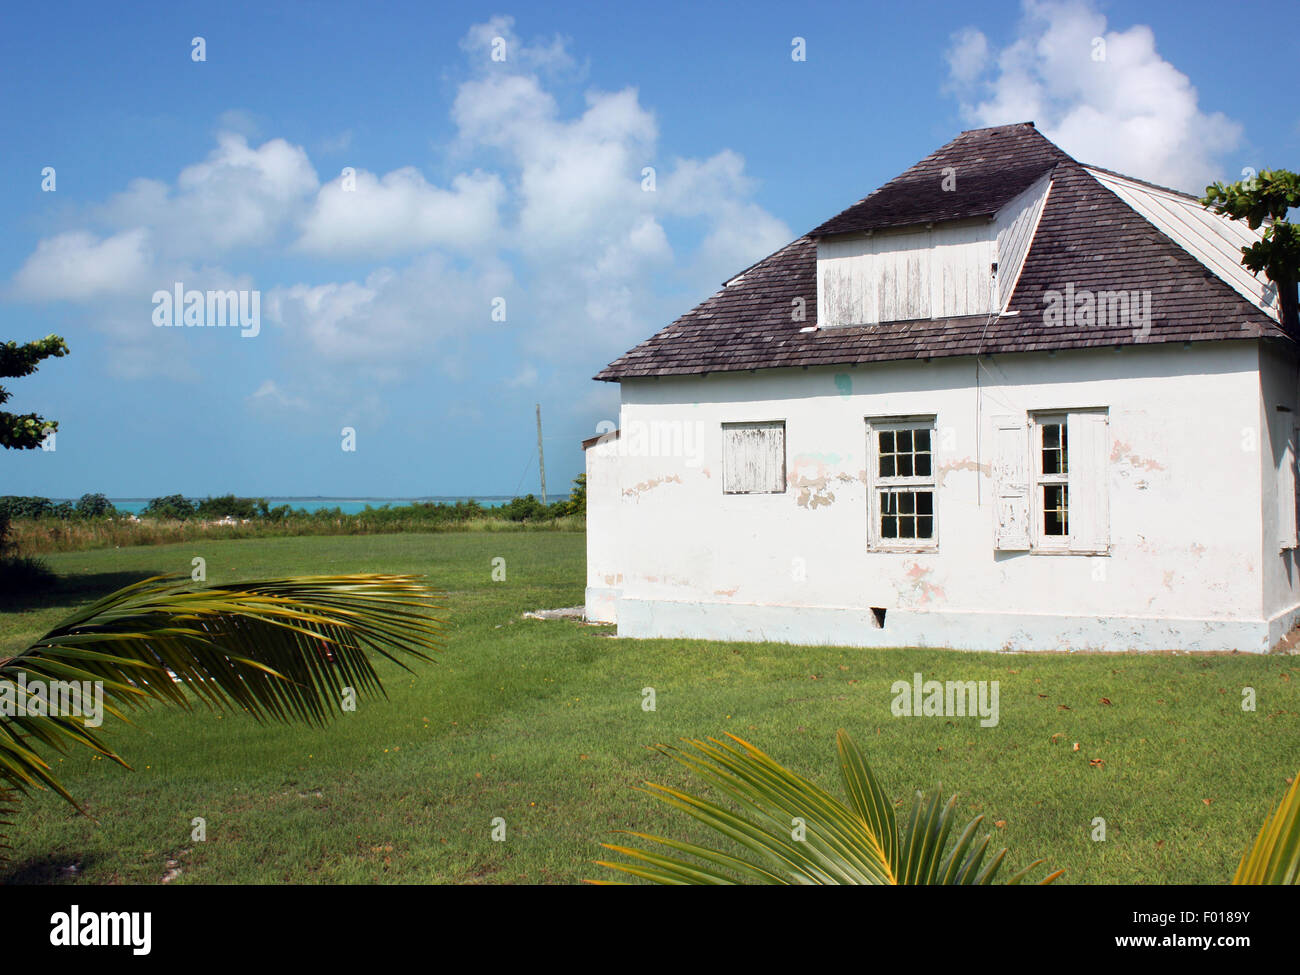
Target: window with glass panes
(902, 491)
(1053, 478)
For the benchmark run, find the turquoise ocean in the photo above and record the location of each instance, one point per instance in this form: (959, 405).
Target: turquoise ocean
(349, 506)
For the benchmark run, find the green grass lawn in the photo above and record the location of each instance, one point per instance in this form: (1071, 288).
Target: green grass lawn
(541, 723)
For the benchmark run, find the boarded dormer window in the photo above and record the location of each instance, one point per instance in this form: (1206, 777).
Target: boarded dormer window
(946, 269)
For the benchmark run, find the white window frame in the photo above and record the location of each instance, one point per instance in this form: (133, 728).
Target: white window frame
(876, 483)
(1087, 533)
(1038, 424)
(727, 473)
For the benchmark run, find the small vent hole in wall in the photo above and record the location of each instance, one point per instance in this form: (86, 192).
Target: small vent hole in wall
(879, 613)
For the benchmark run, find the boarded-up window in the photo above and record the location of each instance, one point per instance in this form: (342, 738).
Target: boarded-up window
(753, 458)
(1089, 454)
(1011, 484)
(1283, 436)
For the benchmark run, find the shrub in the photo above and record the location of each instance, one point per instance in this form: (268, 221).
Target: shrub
(94, 506)
(174, 506)
(577, 503)
(229, 506)
(523, 509)
(23, 507)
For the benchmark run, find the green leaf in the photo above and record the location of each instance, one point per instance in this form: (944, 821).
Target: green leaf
(264, 647)
(787, 830)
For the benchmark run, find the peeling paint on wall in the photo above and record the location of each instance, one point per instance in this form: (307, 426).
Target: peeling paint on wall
(811, 478)
(636, 490)
(965, 464)
(923, 592)
(844, 383)
(1122, 453)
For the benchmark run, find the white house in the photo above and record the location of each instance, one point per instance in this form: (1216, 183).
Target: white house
(1007, 401)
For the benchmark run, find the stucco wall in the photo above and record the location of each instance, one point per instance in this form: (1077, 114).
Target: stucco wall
(605, 541)
(1278, 388)
(1184, 569)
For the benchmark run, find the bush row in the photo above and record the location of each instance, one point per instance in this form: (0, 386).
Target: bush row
(177, 507)
(32, 526)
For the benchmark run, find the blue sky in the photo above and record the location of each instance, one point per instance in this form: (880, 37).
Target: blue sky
(522, 179)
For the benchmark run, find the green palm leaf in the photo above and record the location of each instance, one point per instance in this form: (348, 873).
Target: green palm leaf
(283, 649)
(790, 831)
(1274, 858)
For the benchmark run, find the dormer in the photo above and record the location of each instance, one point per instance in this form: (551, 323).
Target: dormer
(945, 239)
(958, 264)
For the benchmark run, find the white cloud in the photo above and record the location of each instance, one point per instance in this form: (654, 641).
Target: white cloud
(336, 143)
(240, 121)
(700, 187)
(578, 180)
(548, 211)
(743, 233)
(239, 196)
(270, 395)
(591, 236)
(402, 213)
(494, 45)
(526, 376)
(1132, 111)
(395, 319)
(968, 56)
(717, 190)
(78, 266)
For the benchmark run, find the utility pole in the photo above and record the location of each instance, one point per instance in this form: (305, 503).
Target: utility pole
(541, 457)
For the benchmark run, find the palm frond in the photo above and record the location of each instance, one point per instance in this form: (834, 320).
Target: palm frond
(283, 649)
(790, 831)
(8, 806)
(1274, 858)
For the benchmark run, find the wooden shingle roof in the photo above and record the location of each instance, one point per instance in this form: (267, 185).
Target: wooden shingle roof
(982, 170)
(1087, 236)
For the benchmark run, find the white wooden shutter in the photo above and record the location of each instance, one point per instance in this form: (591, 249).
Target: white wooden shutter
(1284, 453)
(753, 458)
(1010, 484)
(1089, 498)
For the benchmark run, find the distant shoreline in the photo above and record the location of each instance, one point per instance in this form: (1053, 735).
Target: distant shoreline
(347, 505)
